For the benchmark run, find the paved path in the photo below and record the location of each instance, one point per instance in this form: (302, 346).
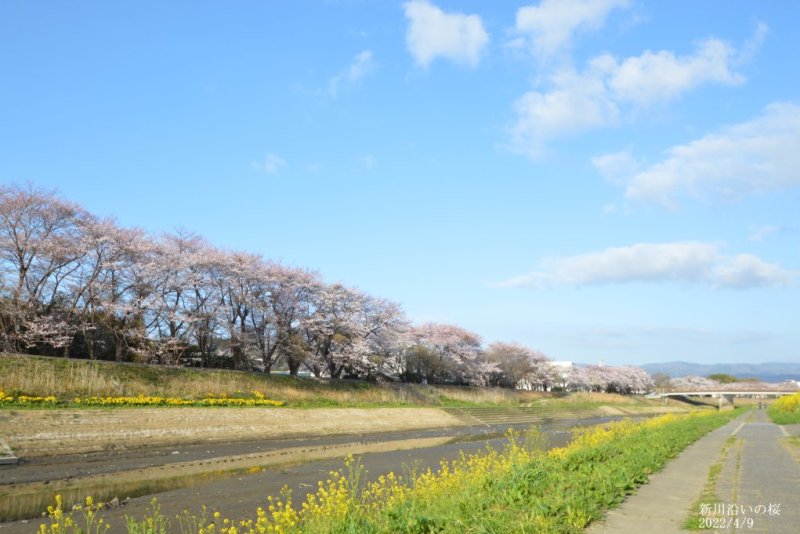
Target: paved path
(758, 471)
(762, 477)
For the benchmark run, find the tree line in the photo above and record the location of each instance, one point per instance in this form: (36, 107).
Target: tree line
(76, 285)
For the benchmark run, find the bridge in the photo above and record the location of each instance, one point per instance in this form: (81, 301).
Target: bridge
(726, 396)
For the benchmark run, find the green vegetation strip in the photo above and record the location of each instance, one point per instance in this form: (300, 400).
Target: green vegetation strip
(786, 410)
(520, 489)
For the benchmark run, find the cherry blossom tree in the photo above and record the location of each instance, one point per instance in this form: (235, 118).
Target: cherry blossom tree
(175, 273)
(290, 302)
(633, 380)
(238, 285)
(126, 293)
(38, 234)
(447, 353)
(334, 333)
(611, 379)
(690, 382)
(100, 244)
(519, 367)
(280, 300)
(385, 330)
(203, 303)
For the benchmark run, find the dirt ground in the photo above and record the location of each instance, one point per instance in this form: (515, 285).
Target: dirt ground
(32, 433)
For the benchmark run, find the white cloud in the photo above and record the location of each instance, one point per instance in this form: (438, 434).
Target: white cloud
(610, 208)
(601, 94)
(615, 165)
(758, 233)
(433, 33)
(551, 25)
(661, 76)
(576, 104)
(690, 261)
(368, 161)
(361, 65)
(746, 270)
(753, 45)
(272, 164)
(751, 157)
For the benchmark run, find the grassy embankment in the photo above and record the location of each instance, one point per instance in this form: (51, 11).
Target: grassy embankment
(63, 380)
(786, 410)
(519, 489)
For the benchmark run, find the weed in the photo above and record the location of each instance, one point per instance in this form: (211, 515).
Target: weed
(708, 498)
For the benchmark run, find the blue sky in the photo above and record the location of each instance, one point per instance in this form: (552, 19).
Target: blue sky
(608, 180)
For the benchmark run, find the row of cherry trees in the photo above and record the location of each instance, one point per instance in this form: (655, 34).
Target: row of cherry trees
(75, 284)
(624, 379)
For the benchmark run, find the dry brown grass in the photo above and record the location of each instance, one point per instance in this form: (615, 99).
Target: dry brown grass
(608, 398)
(38, 377)
(476, 395)
(70, 378)
(66, 378)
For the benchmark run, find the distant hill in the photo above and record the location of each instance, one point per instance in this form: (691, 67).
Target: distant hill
(767, 372)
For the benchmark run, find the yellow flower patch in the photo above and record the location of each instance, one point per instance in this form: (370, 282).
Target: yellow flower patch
(256, 399)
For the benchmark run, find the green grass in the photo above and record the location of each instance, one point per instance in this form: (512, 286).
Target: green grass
(551, 495)
(784, 418)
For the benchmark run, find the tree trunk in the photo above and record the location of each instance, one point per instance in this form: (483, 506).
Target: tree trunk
(118, 349)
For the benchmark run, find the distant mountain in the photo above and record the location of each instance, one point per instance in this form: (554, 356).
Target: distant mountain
(767, 372)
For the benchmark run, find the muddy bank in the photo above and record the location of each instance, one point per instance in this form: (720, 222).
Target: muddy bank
(236, 484)
(37, 433)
